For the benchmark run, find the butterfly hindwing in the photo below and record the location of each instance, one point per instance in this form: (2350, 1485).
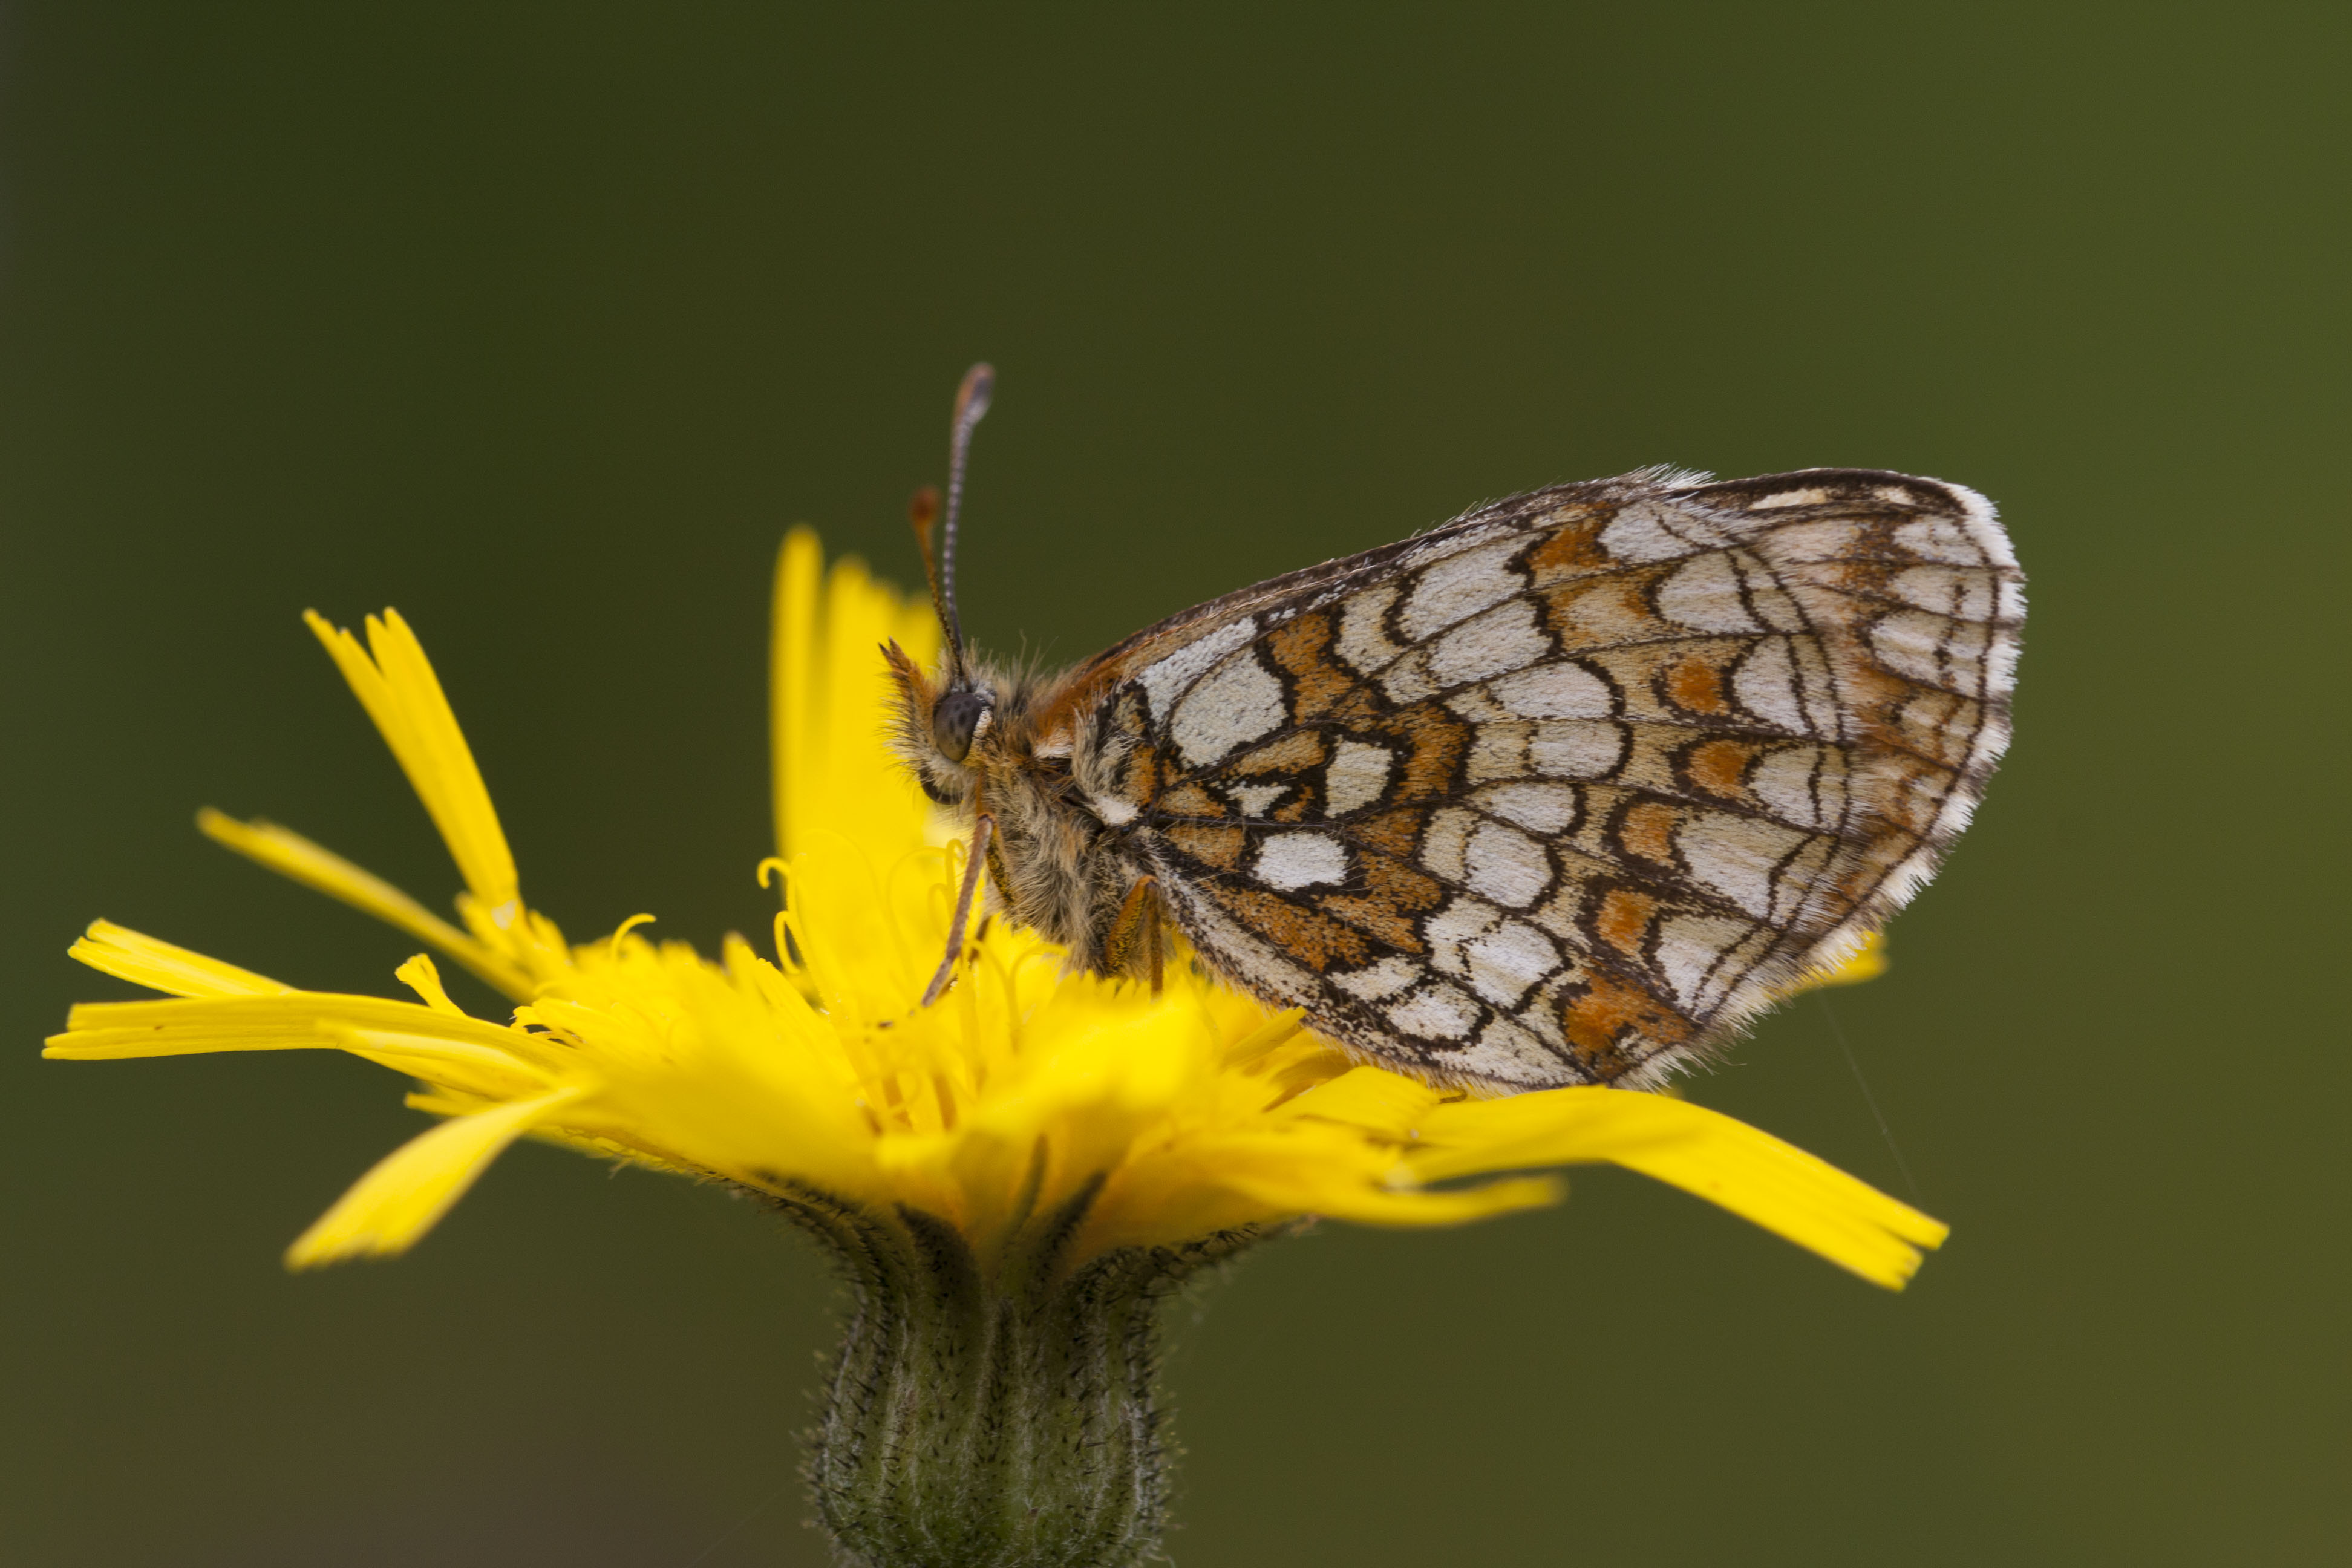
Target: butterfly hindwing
(1560, 792)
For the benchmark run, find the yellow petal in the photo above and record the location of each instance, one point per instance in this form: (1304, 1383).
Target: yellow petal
(1867, 961)
(466, 1067)
(1754, 1174)
(830, 699)
(144, 960)
(293, 1020)
(388, 1210)
(1367, 1098)
(792, 673)
(290, 855)
(419, 975)
(401, 693)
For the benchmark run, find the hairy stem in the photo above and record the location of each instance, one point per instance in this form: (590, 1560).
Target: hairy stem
(993, 1418)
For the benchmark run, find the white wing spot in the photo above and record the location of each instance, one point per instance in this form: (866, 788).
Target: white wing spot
(1689, 949)
(1546, 808)
(1765, 685)
(1439, 1012)
(1555, 691)
(1407, 680)
(1946, 540)
(1459, 587)
(1238, 704)
(1362, 644)
(1509, 960)
(1639, 532)
(1441, 841)
(1257, 799)
(1785, 781)
(1502, 639)
(1164, 681)
(1508, 1051)
(1929, 648)
(1452, 930)
(1735, 857)
(1377, 982)
(1355, 777)
(1291, 860)
(1577, 750)
(1958, 592)
(1506, 866)
(1705, 593)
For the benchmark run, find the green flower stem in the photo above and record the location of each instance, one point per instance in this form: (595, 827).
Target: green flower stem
(1010, 1421)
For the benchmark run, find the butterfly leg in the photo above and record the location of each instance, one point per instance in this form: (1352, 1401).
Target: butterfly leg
(984, 827)
(1138, 921)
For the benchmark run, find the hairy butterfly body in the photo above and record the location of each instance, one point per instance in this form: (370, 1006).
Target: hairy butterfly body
(1560, 792)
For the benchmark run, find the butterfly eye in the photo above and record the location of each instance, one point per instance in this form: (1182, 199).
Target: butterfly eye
(957, 722)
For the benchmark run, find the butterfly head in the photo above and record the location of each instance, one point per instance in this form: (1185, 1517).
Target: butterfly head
(937, 728)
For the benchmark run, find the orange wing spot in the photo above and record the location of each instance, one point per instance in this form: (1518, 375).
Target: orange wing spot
(1604, 613)
(1610, 1016)
(1886, 849)
(1863, 576)
(1721, 767)
(1191, 800)
(1139, 784)
(1647, 829)
(1940, 725)
(1435, 740)
(1396, 832)
(1217, 847)
(1312, 938)
(1294, 754)
(1394, 894)
(1872, 690)
(1695, 684)
(1623, 920)
(1573, 550)
(1301, 648)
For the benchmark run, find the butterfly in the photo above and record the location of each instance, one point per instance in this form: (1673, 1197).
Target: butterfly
(1560, 792)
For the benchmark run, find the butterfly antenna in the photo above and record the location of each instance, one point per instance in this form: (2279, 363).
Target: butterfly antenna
(971, 407)
(923, 513)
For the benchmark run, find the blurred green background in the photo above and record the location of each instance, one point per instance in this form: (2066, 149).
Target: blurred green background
(542, 322)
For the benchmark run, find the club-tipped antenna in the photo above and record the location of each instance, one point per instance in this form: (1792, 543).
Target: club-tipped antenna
(923, 513)
(971, 407)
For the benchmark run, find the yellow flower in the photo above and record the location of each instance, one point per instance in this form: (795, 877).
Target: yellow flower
(810, 1070)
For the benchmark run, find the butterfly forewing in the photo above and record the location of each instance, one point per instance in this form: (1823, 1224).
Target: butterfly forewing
(1560, 792)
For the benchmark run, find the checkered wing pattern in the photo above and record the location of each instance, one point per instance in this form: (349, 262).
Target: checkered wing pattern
(1560, 792)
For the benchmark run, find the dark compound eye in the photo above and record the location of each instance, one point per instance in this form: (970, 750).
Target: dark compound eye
(955, 720)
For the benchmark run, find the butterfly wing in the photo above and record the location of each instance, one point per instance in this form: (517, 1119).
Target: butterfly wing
(1563, 790)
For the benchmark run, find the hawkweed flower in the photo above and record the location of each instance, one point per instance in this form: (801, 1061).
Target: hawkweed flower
(1009, 1179)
